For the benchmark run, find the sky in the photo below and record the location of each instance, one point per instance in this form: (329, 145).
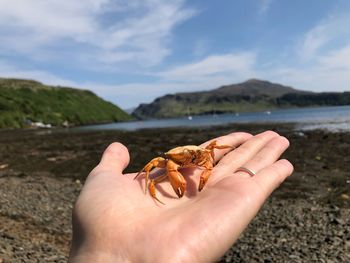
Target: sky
(132, 51)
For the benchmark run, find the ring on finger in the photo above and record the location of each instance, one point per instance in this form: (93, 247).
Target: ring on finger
(246, 170)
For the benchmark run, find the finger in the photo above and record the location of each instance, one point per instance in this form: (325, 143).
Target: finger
(115, 158)
(234, 139)
(272, 176)
(266, 156)
(241, 155)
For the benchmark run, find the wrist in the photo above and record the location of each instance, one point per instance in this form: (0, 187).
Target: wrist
(91, 253)
(97, 257)
(84, 255)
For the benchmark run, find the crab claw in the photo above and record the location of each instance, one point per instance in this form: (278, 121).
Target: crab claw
(203, 179)
(205, 175)
(177, 181)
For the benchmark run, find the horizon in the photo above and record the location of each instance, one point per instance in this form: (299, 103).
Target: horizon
(210, 89)
(133, 52)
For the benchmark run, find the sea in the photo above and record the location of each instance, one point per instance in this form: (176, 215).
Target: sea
(333, 119)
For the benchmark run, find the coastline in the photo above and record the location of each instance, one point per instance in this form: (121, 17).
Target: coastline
(335, 118)
(306, 219)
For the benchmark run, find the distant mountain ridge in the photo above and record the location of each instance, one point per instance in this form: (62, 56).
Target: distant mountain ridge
(257, 87)
(251, 95)
(24, 101)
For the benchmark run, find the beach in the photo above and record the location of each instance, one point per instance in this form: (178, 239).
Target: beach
(42, 172)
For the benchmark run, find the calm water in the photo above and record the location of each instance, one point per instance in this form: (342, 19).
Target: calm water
(331, 118)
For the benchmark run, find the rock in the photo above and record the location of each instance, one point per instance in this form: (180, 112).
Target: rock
(4, 165)
(345, 196)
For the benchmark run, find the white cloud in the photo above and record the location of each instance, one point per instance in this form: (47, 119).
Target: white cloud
(233, 65)
(336, 59)
(313, 40)
(324, 53)
(9, 71)
(30, 24)
(205, 74)
(329, 33)
(313, 79)
(133, 29)
(329, 71)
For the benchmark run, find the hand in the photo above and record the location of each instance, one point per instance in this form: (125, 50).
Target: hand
(114, 221)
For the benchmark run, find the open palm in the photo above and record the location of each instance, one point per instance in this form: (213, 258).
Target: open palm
(114, 221)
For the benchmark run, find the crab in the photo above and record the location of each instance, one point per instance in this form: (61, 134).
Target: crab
(179, 157)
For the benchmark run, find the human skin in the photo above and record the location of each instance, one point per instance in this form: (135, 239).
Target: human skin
(114, 221)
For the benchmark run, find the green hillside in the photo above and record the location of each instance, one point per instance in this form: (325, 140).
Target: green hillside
(22, 101)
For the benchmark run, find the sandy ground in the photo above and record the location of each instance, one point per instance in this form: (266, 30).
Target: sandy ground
(41, 173)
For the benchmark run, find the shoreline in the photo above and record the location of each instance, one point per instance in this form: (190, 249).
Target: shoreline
(306, 219)
(328, 118)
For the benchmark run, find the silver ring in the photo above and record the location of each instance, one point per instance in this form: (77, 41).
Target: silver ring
(246, 170)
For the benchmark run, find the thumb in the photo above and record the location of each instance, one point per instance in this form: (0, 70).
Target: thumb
(116, 157)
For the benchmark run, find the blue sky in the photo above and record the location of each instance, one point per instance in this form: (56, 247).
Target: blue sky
(131, 52)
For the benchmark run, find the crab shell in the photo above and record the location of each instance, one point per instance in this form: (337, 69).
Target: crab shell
(189, 154)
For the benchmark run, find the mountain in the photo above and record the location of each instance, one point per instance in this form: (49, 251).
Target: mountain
(251, 95)
(255, 87)
(25, 101)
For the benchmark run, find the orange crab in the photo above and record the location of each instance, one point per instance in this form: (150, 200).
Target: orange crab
(179, 157)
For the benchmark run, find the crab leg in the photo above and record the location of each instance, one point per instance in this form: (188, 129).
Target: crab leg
(205, 175)
(159, 162)
(177, 181)
(213, 146)
(152, 186)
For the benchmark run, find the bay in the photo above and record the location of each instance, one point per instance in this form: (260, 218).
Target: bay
(334, 119)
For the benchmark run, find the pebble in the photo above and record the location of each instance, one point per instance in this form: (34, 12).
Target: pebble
(3, 166)
(313, 238)
(345, 197)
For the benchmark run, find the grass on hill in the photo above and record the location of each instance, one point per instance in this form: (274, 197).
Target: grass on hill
(26, 100)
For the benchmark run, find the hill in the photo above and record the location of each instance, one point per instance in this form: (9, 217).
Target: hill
(251, 95)
(22, 101)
